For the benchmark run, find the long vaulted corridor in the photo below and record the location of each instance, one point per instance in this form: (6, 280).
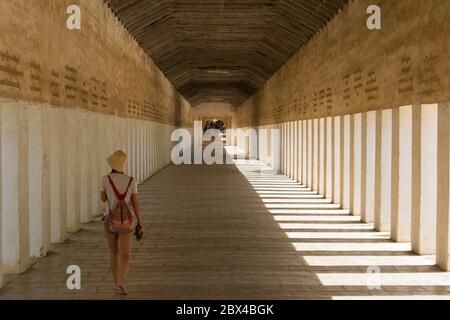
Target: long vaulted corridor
(238, 232)
(230, 149)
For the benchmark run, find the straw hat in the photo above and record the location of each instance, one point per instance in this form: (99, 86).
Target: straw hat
(118, 160)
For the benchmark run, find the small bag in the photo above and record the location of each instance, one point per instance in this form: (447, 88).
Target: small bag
(120, 220)
(138, 232)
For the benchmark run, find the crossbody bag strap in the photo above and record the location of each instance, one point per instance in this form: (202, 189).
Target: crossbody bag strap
(118, 195)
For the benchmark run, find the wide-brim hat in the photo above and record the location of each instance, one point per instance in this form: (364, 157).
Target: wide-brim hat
(118, 160)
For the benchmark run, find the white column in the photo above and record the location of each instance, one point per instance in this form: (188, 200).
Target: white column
(443, 189)
(305, 152)
(137, 153)
(158, 146)
(145, 154)
(424, 219)
(299, 151)
(310, 154)
(262, 144)
(291, 150)
(384, 222)
(267, 146)
(55, 172)
(15, 207)
(284, 129)
(77, 157)
(281, 149)
(364, 140)
(377, 196)
(71, 177)
(152, 148)
(275, 147)
(401, 174)
(36, 166)
(288, 149)
(1, 197)
(322, 156)
(129, 145)
(147, 148)
(356, 206)
(348, 158)
(338, 159)
(64, 163)
(122, 145)
(295, 150)
(141, 151)
(134, 150)
(84, 159)
(101, 156)
(157, 154)
(330, 157)
(371, 164)
(92, 166)
(287, 152)
(316, 154)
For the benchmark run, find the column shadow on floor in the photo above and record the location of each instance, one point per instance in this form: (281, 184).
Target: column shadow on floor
(237, 232)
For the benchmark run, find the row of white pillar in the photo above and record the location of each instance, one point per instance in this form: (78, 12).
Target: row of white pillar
(390, 166)
(52, 161)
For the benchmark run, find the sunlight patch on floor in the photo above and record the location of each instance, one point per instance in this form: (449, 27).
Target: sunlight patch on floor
(332, 261)
(353, 246)
(329, 212)
(318, 218)
(392, 297)
(386, 279)
(339, 235)
(324, 226)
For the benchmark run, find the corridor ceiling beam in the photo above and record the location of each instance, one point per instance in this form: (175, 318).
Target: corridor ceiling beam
(223, 49)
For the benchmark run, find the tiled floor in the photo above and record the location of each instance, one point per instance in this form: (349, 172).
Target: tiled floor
(237, 232)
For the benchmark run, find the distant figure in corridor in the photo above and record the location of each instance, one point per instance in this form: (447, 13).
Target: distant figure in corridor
(120, 192)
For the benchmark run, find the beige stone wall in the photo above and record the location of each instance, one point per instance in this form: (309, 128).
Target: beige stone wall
(99, 68)
(347, 68)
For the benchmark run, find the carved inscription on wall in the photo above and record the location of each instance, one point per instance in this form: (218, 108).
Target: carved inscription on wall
(371, 88)
(10, 73)
(70, 83)
(406, 81)
(35, 78)
(54, 84)
(30, 79)
(428, 77)
(151, 112)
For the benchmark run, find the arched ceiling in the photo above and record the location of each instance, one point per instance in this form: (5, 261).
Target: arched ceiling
(222, 50)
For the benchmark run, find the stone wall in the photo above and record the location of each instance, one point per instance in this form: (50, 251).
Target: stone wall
(68, 99)
(346, 68)
(99, 68)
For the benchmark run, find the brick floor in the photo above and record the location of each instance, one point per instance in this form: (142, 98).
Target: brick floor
(237, 232)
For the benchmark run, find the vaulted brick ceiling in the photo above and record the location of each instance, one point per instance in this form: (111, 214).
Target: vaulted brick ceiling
(222, 50)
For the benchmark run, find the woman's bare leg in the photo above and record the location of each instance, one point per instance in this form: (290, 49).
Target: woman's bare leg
(124, 254)
(114, 256)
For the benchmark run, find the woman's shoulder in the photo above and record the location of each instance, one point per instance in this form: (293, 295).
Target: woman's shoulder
(117, 175)
(124, 176)
(127, 176)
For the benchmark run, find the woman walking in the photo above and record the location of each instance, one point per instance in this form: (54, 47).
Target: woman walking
(122, 217)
